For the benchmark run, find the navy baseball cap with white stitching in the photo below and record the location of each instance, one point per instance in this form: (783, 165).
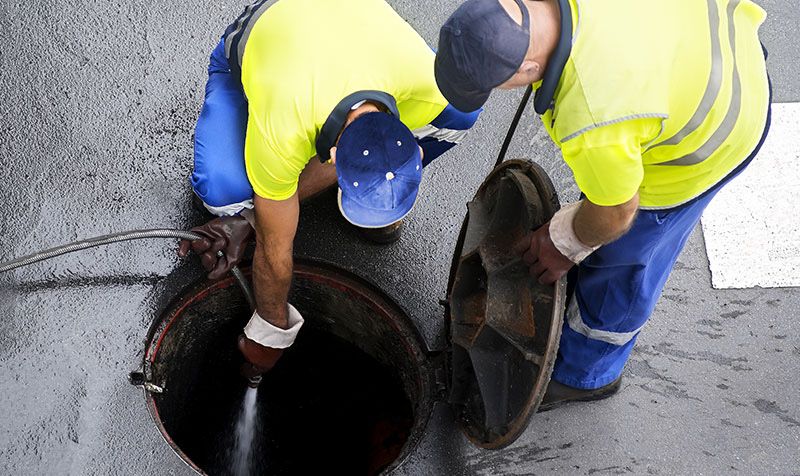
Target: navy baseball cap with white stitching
(480, 47)
(379, 169)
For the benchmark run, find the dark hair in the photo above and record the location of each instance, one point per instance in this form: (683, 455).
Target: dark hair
(381, 106)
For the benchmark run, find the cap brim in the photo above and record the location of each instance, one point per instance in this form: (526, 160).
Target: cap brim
(458, 94)
(365, 217)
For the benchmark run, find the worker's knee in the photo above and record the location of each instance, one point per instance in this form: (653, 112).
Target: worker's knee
(453, 119)
(448, 129)
(221, 187)
(219, 177)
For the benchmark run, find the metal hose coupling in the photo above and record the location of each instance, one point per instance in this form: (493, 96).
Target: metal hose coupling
(254, 381)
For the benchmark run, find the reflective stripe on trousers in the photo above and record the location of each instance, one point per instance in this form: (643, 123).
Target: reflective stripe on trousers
(449, 128)
(576, 323)
(616, 289)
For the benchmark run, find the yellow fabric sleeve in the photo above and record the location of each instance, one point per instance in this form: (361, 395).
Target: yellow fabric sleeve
(607, 161)
(295, 72)
(274, 170)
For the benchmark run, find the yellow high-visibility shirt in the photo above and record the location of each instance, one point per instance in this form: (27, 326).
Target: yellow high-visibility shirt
(302, 57)
(663, 97)
(607, 161)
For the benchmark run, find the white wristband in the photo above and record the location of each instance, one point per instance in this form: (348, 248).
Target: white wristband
(563, 234)
(266, 334)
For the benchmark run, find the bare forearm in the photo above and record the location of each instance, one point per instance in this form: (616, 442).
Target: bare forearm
(272, 276)
(276, 224)
(596, 225)
(316, 178)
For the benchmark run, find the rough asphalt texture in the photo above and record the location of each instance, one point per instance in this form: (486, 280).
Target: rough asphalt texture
(97, 107)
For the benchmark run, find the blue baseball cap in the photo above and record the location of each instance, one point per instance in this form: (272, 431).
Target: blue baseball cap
(379, 169)
(480, 48)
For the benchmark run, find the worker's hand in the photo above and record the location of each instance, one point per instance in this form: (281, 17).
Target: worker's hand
(258, 358)
(263, 341)
(222, 246)
(546, 263)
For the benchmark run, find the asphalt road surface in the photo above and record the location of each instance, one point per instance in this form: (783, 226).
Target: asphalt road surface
(97, 106)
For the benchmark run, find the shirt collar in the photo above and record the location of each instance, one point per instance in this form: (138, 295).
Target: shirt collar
(555, 67)
(336, 119)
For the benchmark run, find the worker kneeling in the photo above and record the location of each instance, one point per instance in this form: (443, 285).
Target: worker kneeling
(302, 95)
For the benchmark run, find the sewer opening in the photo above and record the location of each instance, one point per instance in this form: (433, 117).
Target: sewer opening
(346, 397)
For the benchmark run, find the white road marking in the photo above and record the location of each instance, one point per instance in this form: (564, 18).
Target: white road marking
(752, 227)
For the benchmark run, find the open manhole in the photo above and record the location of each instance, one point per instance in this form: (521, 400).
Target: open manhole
(353, 394)
(347, 397)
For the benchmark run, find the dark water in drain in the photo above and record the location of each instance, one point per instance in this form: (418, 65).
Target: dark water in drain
(326, 407)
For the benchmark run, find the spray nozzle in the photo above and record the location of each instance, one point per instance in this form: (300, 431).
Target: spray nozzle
(253, 381)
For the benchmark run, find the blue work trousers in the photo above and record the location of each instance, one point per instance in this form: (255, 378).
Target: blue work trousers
(616, 289)
(220, 178)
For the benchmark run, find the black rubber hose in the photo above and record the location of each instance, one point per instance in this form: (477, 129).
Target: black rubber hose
(118, 237)
(513, 127)
(248, 293)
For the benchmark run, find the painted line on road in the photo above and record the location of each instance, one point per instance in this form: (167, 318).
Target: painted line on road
(752, 227)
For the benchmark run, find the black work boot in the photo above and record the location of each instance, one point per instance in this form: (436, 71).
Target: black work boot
(558, 394)
(385, 235)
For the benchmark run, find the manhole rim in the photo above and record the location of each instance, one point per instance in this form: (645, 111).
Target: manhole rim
(338, 277)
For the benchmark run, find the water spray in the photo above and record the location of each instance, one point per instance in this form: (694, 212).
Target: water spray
(247, 426)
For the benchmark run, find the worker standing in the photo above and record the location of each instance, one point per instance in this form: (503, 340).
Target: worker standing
(302, 95)
(655, 106)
